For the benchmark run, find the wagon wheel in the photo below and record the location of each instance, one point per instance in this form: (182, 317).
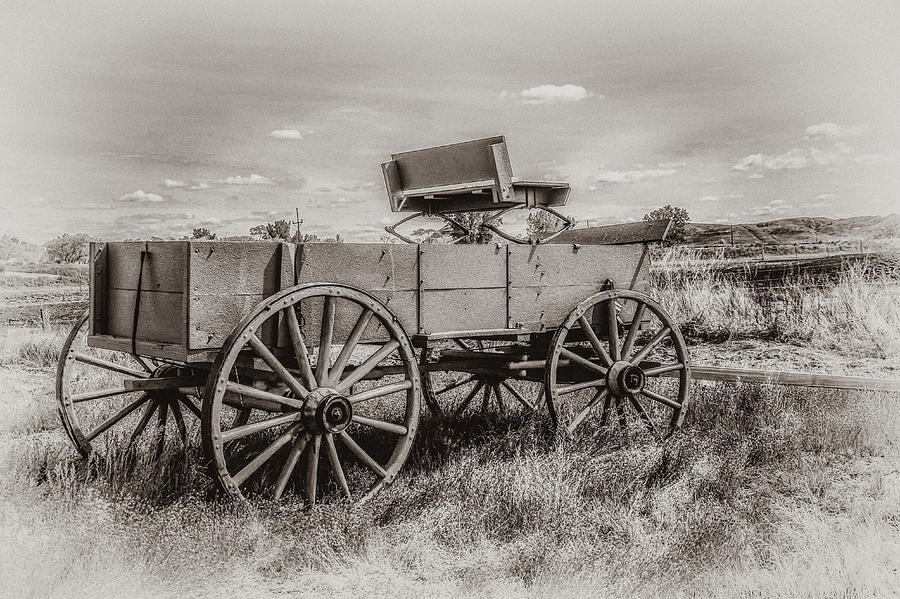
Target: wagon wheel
(360, 408)
(454, 393)
(94, 404)
(618, 351)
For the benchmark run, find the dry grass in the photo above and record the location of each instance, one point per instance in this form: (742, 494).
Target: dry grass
(769, 491)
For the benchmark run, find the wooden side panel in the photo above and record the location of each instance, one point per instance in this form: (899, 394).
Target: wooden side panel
(640, 232)
(401, 303)
(367, 266)
(164, 266)
(547, 281)
(463, 266)
(98, 300)
(159, 320)
(444, 165)
(227, 279)
(463, 309)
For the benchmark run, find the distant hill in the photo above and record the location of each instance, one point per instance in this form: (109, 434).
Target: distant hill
(795, 230)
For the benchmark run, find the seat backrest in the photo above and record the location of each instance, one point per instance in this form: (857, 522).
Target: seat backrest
(443, 168)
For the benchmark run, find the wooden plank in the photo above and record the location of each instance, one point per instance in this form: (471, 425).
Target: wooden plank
(163, 268)
(97, 290)
(393, 184)
(473, 266)
(367, 266)
(401, 303)
(444, 165)
(214, 317)
(462, 309)
(801, 379)
(166, 351)
(504, 173)
(640, 232)
(560, 265)
(234, 267)
(158, 320)
(540, 308)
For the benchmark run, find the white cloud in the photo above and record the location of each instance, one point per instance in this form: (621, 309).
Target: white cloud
(708, 199)
(833, 131)
(826, 197)
(633, 175)
(671, 164)
(554, 94)
(874, 159)
(286, 134)
(253, 179)
(795, 159)
(141, 196)
(199, 187)
(173, 184)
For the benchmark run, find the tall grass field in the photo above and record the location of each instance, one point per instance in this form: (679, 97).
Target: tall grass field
(767, 491)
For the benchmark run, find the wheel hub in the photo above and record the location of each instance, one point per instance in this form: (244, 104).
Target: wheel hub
(326, 410)
(624, 378)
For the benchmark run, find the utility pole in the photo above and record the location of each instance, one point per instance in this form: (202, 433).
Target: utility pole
(732, 235)
(298, 222)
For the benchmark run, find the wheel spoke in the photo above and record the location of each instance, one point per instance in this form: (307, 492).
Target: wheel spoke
(456, 384)
(660, 370)
(287, 402)
(651, 345)
(242, 431)
(582, 361)
(312, 470)
(106, 365)
(485, 400)
(580, 386)
(162, 414)
(142, 423)
(640, 410)
(189, 404)
(143, 364)
(607, 408)
(612, 327)
(179, 420)
(99, 394)
(586, 411)
(633, 330)
(390, 427)
(594, 341)
(367, 366)
(360, 453)
(379, 392)
(289, 464)
(117, 417)
(336, 464)
(661, 399)
(500, 405)
(465, 402)
(519, 397)
(620, 410)
(325, 340)
(277, 367)
(265, 454)
(352, 341)
(300, 350)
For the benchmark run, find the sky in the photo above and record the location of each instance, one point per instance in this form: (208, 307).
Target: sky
(136, 119)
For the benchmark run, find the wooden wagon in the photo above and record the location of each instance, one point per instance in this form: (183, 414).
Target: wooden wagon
(286, 351)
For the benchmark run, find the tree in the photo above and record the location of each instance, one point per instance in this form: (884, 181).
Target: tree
(259, 231)
(202, 233)
(541, 223)
(472, 221)
(68, 249)
(679, 217)
(280, 229)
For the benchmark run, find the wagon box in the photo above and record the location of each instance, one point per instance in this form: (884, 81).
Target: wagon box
(193, 293)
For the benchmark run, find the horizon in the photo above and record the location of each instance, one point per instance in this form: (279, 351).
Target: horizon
(141, 120)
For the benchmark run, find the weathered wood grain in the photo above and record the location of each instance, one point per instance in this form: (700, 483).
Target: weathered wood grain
(553, 265)
(401, 303)
(443, 165)
(640, 232)
(230, 267)
(461, 309)
(97, 300)
(164, 265)
(159, 319)
(368, 266)
(463, 266)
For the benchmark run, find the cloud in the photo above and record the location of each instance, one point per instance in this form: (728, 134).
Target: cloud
(671, 164)
(173, 184)
(286, 134)
(826, 197)
(150, 219)
(199, 187)
(833, 131)
(554, 94)
(709, 199)
(633, 175)
(253, 179)
(773, 207)
(795, 159)
(141, 196)
(874, 159)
